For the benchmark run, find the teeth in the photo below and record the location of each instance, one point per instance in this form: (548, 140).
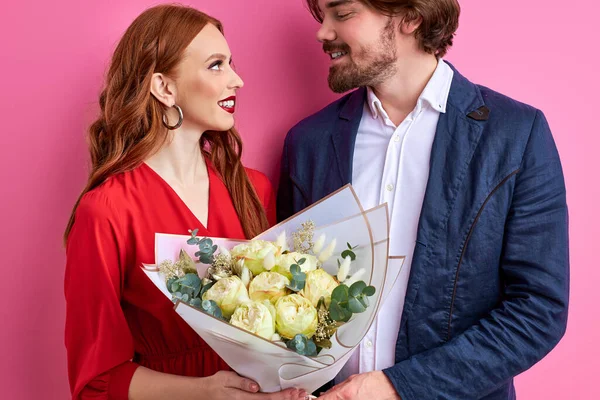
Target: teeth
(337, 54)
(227, 104)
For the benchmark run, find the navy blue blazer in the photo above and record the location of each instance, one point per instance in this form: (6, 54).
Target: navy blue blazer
(488, 290)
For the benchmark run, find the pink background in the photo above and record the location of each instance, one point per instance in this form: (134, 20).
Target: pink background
(54, 55)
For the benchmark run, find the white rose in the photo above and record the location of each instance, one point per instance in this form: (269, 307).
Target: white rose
(295, 315)
(228, 293)
(268, 286)
(255, 317)
(318, 284)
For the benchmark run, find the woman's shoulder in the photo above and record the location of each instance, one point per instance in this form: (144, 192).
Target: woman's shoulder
(108, 199)
(260, 181)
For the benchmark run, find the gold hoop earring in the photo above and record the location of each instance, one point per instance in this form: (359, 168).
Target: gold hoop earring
(178, 124)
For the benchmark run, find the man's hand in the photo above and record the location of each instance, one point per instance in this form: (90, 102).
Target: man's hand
(371, 385)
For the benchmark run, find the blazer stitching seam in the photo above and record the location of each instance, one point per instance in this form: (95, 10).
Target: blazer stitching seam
(466, 243)
(302, 192)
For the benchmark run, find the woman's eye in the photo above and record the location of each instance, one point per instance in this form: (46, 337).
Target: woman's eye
(343, 16)
(216, 66)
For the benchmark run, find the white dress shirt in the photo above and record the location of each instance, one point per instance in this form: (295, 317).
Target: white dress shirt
(391, 165)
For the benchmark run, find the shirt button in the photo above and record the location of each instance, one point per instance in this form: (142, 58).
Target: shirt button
(396, 138)
(369, 344)
(389, 187)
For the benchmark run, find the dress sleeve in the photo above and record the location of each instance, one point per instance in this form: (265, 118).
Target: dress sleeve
(97, 337)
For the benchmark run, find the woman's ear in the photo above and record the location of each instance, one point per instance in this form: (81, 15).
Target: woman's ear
(163, 89)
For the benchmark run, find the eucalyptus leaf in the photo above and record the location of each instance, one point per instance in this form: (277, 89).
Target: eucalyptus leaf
(210, 307)
(302, 345)
(197, 290)
(206, 259)
(311, 348)
(347, 315)
(297, 343)
(349, 253)
(170, 286)
(340, 294)
(296, 286)
(205, 288)
(187, 291)
(295, 269)
(355, 306)
(369, 291)
(208, 304)
(190, 280)
(364, 300)
(196, 303)
(217, 313)
(336, 312)
(301, 261)
(357, 288)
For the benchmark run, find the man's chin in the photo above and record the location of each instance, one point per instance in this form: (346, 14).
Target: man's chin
(340, 90)
(340, 86)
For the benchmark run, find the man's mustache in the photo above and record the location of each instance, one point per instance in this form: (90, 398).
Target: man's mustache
(329, 47)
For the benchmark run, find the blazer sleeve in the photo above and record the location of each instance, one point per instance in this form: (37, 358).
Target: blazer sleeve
(532, 317)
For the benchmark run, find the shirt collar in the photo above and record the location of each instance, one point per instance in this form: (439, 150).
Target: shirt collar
(435, 94)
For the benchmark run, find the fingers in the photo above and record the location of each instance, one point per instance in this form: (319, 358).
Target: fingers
(287, 394)
(331, 394)
(328, 392)
(328, 396)
(235, 381)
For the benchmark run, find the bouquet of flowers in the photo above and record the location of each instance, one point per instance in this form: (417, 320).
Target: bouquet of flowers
(288, 307)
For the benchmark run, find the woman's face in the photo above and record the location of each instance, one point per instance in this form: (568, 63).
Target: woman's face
(206, 84)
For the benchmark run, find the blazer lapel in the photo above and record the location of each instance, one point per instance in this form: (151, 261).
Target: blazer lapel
(456, 138)
(344, 134)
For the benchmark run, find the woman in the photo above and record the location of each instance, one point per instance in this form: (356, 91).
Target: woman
(165, 158)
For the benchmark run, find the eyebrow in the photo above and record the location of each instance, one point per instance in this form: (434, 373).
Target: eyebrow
(217, 56)
(336, 3)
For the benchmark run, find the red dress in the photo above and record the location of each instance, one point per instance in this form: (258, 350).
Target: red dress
(116, 318)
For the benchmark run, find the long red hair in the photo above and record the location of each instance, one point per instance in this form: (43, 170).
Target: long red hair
(129, 128)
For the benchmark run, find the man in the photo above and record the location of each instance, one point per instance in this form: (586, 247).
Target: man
(477, 203)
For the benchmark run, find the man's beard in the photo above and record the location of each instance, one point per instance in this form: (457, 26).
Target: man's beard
(378, 63)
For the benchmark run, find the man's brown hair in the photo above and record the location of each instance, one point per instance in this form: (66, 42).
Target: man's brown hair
(439, 19)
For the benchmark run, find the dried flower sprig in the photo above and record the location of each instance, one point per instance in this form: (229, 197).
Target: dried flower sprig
(221, 267)
(183, 265)
(303, 237)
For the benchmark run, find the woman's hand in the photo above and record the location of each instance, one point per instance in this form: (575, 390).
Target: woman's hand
(228, 385)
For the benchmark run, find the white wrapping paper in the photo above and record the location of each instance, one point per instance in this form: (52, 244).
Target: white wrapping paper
(272, 366)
